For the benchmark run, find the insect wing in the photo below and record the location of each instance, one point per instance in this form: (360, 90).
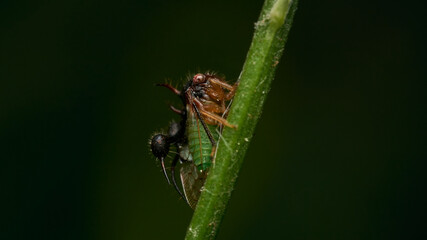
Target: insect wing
(192, 182)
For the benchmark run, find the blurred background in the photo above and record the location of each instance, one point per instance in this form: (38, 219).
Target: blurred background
(339, 152)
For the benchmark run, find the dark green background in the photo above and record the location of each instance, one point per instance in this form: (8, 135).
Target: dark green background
(339, 152)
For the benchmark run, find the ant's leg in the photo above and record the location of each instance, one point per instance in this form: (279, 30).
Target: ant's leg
(176, 110)
(174, 162)
(168, 86)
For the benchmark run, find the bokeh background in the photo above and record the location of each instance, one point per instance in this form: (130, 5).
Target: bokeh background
(339, 152)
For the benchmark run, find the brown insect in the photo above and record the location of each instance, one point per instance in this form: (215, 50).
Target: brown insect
(205, 97)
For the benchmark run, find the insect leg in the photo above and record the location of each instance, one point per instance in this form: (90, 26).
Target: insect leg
(208, 132)
(173, 165)
(168, 86)
(230, 94)
(221, 84)
(209, 115)
(176, 110)
(217, 118)
(194, 103)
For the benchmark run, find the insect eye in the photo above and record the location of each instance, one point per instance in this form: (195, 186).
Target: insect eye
(199, 78)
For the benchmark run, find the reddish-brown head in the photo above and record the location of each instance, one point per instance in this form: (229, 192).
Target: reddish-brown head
(199, 78)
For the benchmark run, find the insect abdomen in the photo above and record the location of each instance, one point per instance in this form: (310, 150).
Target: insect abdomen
(199, 143)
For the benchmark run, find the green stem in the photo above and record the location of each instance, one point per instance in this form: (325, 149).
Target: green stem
(270, 35)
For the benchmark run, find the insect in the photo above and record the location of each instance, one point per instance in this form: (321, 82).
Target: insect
(205, 97)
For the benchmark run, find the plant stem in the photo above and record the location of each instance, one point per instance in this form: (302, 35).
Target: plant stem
(267, 45)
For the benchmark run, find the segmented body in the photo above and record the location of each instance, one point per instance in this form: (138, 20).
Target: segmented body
(198, 142)
(194, 139)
